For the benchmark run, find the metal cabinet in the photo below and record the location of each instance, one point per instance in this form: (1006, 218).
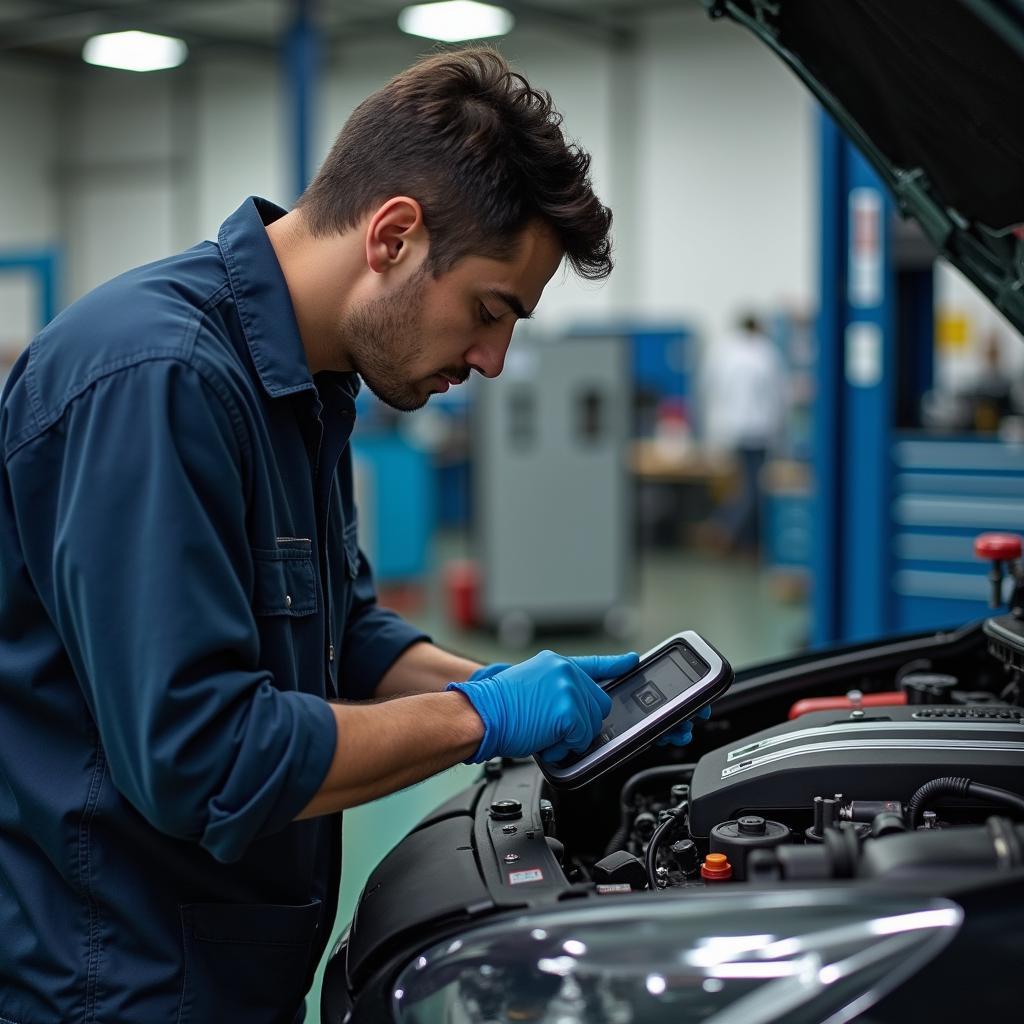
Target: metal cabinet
(552, 519)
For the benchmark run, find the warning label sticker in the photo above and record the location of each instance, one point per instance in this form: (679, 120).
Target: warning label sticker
(530, 875)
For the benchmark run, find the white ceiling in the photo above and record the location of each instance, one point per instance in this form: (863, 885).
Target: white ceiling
(57, 28)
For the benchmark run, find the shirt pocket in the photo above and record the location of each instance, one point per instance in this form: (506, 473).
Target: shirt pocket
(245, 962)
(285, 578)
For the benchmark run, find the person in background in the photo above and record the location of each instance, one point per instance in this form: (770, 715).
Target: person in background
(990, 397)
(743, 393)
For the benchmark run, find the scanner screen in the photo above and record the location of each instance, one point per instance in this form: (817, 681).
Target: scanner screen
(642, 693)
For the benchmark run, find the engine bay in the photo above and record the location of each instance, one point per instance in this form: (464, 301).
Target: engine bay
(869, 772)
(926, 754)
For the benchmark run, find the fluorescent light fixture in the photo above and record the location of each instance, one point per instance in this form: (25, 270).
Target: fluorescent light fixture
(455, 20)
(134, 51)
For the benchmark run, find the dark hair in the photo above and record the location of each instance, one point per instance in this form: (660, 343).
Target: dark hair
(479, 148)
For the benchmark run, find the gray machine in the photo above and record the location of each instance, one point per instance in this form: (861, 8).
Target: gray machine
(552, 502)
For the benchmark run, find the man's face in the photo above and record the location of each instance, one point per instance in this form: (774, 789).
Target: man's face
(429, 333)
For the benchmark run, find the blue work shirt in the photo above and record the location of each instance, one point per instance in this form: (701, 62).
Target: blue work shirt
(180, 589)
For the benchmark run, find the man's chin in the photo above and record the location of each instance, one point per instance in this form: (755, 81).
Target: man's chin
(410, 406)
(405, 403)
(401, 401)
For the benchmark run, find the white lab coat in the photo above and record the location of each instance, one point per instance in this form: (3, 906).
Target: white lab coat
(743, 392)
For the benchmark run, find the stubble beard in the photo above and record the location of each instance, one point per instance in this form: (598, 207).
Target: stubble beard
(383, 340)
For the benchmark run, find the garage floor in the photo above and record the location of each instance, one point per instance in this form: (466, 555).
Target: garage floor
(734, 603)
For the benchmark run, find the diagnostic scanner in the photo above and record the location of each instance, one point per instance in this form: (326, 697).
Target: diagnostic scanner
(671, 684)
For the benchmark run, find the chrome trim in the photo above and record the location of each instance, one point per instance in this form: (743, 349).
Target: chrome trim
(863, 727)
(841, 746)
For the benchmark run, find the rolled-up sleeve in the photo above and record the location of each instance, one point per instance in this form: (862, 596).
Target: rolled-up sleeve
(151, 580)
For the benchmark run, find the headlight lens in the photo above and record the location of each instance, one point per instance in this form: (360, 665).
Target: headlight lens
(727, 960)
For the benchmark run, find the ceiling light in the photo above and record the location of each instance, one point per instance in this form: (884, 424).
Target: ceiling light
(134, 51)
(455, 20)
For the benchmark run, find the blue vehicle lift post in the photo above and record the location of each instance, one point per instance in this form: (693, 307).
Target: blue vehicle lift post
(854, 406)
(302, 58)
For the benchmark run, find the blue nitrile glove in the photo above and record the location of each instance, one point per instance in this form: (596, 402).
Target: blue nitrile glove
(682, 733)
(486, 671)
(549, 703)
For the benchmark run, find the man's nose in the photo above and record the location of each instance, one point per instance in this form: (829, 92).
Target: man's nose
(488, 358)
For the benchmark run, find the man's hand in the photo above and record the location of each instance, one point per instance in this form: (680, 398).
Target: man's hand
(549, 703)
(683, 733)
(487, 671)
(680, 736)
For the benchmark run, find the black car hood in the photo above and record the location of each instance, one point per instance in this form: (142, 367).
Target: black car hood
(932, 92)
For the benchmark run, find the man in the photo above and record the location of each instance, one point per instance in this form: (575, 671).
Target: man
(744, 394)
(190, 645)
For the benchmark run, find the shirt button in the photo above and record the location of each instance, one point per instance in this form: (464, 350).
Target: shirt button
(287, 600)
(330, 652)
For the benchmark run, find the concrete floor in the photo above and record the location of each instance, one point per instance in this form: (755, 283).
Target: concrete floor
(733, 602)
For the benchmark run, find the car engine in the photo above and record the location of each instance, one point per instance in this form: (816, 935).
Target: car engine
(934, 766)
(835, 781)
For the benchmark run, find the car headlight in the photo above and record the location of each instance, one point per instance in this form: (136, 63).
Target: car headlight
(729, 960)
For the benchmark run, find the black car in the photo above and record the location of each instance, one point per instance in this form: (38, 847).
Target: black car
(861, 859)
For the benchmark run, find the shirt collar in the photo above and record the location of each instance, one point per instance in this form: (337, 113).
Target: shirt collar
(265, 305)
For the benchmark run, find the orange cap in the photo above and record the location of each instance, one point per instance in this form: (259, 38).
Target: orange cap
(716, 868)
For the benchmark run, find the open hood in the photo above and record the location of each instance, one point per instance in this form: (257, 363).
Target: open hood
(932, 92)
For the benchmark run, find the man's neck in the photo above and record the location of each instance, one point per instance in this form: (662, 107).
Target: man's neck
(320, 274)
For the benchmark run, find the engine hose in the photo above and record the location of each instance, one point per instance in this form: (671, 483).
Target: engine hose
(633, 783)
(654, 844)
(960, 787)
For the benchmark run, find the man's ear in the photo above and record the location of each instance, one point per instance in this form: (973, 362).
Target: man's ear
(396, 235)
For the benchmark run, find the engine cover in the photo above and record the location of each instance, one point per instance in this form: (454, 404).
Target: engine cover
(874, 754)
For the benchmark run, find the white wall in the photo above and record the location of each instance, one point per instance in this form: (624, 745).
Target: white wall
(28, 197)
(702, 145)
(727, 175)
(28, 208)
(120, 173)
(241, 138)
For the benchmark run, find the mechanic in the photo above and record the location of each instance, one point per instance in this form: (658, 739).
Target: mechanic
(195, 676)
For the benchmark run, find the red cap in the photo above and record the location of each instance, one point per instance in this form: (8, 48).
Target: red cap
(997, 547)
(716, 868)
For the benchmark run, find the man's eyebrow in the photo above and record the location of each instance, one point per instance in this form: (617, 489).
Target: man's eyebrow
(513, 303)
